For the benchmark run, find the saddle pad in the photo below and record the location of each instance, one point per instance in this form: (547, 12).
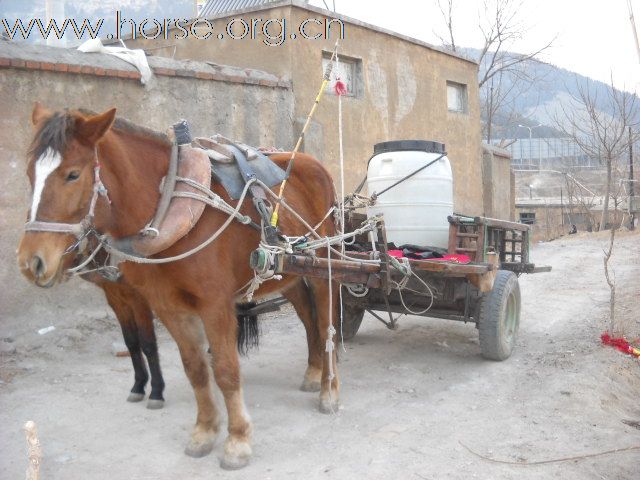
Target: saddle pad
(224, 168)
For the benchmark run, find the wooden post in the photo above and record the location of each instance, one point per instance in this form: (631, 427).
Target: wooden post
(34, 451)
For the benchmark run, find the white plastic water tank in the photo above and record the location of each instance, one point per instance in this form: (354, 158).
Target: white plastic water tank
(415, 211)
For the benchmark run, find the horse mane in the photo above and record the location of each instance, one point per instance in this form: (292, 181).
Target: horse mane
(53, 134)
(60, 127)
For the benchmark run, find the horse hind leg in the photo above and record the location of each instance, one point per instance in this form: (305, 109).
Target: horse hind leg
(187, 332)
(118, 301)
(302, 297)
(328, 314)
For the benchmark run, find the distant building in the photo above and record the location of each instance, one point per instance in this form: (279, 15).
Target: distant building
(547, 153)
(554, 217)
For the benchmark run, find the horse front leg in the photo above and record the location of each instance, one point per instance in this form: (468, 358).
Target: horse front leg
(121, 306)
(149, 345)
(222, 330)
(186, 330)
(328, 313)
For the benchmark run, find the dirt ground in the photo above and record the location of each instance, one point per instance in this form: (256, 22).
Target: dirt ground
(411, 398)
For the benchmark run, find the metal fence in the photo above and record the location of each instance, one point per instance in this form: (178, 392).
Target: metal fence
(544, 153)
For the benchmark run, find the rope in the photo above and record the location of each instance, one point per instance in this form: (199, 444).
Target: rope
(342, 218)
(554, 460)
(134, 258)
(329, 346)
(76, 270)
(258, 279)
(376, 194)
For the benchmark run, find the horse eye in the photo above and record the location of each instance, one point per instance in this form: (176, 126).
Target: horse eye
(73, 175)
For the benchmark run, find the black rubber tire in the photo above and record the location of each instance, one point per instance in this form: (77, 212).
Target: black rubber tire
(351, 320)
(499, 317)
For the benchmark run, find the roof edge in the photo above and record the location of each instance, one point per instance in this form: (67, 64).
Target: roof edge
(311, 8)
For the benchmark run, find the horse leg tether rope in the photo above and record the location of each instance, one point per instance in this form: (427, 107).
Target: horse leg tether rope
(329, 346)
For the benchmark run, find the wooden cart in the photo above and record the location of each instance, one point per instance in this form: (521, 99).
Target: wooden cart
(484, 291)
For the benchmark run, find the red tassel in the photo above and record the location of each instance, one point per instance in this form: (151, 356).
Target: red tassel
(620, 344)
(340, 87)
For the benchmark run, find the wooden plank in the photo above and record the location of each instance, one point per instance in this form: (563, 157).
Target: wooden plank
(541, 269)
(504, 224)
(453, 238)
(342, 271)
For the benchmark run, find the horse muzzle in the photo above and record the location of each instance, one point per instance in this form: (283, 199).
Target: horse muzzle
(41, 264)
(36, 270)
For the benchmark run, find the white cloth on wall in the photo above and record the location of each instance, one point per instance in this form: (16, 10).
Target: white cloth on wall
(135, 57)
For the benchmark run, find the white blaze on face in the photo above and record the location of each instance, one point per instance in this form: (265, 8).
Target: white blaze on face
(45, 165)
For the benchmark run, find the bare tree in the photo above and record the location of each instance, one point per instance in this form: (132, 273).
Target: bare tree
(446, 9)
(599, 127)
(502, 29)
(502, 73)
(611, 281)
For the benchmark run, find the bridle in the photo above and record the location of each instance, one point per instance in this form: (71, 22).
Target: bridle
(82, 229)
(79, 229)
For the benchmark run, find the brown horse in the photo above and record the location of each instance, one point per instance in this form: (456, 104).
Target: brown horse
(199, 290)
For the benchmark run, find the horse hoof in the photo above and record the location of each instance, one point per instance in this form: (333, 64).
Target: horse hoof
(310, 386)
(234, 463)
(327, 406)
(237, 454)
(154, 404)
(199, 449)
(135, 397)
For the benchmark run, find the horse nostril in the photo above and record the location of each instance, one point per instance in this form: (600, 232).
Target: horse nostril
(37, 266)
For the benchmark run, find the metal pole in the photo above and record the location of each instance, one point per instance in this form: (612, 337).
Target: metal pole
(631, 190)
(561, 207)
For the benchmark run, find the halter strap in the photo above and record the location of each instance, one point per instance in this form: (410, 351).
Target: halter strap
(76, 229)
(80, 228)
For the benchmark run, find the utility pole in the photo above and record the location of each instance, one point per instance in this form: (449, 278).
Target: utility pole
(561, 208)
(530, 142)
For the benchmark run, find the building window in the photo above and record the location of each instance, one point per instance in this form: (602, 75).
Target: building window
(528, 218)
(457, 97)
(348, 70)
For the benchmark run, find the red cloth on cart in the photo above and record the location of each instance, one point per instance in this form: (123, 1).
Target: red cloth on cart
(447, 258)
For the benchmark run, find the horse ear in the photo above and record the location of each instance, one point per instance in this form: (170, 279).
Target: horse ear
(93, 128)
(39, 113)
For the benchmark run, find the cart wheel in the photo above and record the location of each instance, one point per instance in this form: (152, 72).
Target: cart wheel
(351, 320)
(499, 317)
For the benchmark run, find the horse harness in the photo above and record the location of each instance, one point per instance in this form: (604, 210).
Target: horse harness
(230, 164)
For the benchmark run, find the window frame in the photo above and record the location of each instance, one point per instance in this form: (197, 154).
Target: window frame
(462, 95)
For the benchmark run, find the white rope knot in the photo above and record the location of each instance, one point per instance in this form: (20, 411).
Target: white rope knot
(329, 348)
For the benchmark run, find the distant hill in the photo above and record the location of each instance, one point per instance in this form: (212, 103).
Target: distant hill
(540, 100)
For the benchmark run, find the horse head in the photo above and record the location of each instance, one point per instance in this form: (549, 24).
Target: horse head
(63, 172)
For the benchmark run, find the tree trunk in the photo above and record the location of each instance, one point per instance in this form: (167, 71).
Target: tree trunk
(607, 193)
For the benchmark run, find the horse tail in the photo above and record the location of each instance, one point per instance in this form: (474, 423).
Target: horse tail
(248, 328)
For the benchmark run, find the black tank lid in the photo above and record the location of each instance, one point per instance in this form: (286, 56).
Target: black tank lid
(409, 145)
